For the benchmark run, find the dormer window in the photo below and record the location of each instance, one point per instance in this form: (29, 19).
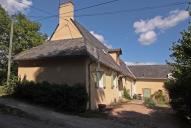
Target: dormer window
(115, 54)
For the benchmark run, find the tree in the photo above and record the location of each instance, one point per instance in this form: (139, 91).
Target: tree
(26, 35)
(179, 88)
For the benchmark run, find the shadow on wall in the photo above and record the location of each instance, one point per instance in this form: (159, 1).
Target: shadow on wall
(159, 118)
(67, 71)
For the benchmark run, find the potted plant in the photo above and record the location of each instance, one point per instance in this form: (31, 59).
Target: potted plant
(102, 107)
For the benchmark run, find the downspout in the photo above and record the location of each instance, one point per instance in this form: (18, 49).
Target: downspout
(89, 80)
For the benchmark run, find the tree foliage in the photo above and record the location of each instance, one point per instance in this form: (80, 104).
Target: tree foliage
(180, 87)
(26, 35)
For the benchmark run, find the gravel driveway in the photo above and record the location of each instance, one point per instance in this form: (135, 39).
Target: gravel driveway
(131, 115)
(50, 119)
(137, 115)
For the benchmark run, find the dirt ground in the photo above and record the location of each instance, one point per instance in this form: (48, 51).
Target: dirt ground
(139, 116)
(130, 115)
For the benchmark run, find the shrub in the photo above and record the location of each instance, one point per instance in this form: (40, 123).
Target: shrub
(1, 90)
(8, 89)
(180, 95)
(59, 97)
(159, 97)
(137, 96)
(149, 103)
(126, 94)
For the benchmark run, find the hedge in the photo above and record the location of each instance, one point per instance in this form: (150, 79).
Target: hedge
(63, 98)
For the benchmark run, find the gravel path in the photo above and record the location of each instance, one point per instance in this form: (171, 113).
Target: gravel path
(8, 121)
(139, 116)
(54, 119)
(131, 115)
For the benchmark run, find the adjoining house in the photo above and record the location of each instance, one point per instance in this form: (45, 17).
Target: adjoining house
(74, 56)
(149, 78)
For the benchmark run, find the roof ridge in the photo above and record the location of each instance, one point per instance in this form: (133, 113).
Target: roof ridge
(78, 25)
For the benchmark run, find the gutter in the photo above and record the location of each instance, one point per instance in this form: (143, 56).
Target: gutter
(149, 78)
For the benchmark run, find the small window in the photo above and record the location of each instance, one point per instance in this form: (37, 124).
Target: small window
(100, 80)
(114, 80)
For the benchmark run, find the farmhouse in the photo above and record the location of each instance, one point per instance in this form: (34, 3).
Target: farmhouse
(73, 55)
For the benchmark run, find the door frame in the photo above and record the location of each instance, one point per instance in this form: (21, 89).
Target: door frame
(149, 92)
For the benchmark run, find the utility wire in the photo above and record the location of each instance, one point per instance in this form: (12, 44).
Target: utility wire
(80, 9)
(96, 5)
(132, 10)
(121, 11)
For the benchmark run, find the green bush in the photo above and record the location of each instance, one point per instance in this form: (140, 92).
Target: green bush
(126, 94)
(64, 98)
(149, 103)
(8, 89)
(2, 90)
(180, 95)
(159, 97)
(137, 97)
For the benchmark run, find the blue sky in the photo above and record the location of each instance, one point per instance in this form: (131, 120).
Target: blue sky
(119, 30)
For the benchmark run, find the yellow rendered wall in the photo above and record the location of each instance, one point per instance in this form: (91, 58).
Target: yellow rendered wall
(66, 11)
(66, 28)
(115, 57)
(107, 95)
(128, 84)
(59, 72)
(154, 85)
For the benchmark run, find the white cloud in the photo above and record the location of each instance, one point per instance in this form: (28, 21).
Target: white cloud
(143, 27)
(101, 39)
(148, 38)
(14, 6)
(140, 63)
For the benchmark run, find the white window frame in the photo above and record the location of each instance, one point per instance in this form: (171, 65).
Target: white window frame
(114, 80)
(100, 80)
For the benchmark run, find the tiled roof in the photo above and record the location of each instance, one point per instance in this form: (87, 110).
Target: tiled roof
(115, 50)
(86, 46)
(125, 70)
(60, 48)
(150, 71)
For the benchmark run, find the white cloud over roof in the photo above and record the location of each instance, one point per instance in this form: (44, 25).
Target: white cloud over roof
(101, 38)
(147, 28)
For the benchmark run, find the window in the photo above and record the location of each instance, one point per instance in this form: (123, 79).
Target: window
(100, 80)
(120, 83)
(114, 80)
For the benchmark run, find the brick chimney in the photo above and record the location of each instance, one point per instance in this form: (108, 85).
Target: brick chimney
(66, 11)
